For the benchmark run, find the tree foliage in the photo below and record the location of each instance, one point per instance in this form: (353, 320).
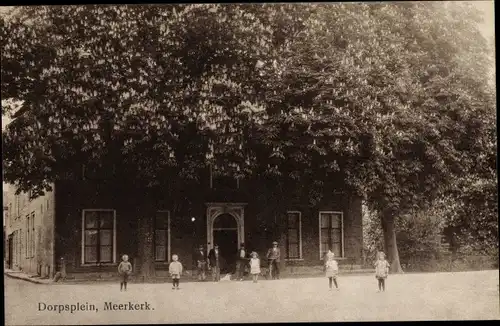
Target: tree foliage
(159, 89)
(419, 235)
(471, 216)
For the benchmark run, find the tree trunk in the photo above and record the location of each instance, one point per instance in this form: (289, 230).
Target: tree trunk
(391, 248)
(146, 268)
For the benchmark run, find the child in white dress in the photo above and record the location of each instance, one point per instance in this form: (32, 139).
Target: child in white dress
(381, 271)
(254, 266)
(332, 269)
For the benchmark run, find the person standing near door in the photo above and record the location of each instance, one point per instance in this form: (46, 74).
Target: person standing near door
(201, 263)
(214, 260)
(241, 262)
(273, 257)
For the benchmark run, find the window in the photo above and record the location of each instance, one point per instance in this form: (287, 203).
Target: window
(294, 235)
(18, 206)
(27, 238)
(19, 245)
(30, 236)
(33, 234)
(222, 182)
(331, 234)
(14, 247)
(162, 236)
(98, 236)
(225, 221)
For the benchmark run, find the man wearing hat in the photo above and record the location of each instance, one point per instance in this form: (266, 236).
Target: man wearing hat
(214, 260)
(241, 261)
(201, 263)
(273, 257)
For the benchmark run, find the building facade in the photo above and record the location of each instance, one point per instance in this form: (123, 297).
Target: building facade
(5, 216)
(91, 226)
(29, 230)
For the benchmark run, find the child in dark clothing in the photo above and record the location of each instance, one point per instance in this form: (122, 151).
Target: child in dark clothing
(124, 269)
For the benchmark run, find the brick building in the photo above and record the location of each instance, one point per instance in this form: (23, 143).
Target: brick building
(91, 225)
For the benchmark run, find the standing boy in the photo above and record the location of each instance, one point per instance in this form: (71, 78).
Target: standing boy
(175, 270)
(124, 270)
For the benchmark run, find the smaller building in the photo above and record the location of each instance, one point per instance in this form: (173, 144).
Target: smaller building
(29, 233)
(5, 215)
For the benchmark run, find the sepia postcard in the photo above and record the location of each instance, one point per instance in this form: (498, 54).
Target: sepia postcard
(249, 163)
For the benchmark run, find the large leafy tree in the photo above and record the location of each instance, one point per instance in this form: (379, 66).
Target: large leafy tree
(147, 95)
(383, 97)
(395, 98)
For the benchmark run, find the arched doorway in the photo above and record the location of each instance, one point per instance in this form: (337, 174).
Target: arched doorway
(225, 234)
(226, 227)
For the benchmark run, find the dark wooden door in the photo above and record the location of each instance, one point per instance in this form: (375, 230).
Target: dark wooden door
(228, 246)
(9, 258)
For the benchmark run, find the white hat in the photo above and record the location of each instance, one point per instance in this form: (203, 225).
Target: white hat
(330, 254)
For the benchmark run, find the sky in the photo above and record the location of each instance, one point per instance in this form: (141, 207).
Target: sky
(488, 29)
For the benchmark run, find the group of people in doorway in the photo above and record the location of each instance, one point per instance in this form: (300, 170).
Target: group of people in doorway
(244, 260)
